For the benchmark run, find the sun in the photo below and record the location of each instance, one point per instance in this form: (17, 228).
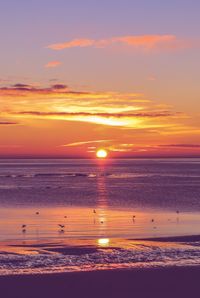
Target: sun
(102, 153)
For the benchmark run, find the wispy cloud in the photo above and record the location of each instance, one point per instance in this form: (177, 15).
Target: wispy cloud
(128, 120)
(26, 90)
(182, 145)
(150, 148)
(118, 147)
(117, 115)
(146, 42)
(85, 143)
(53, 64)
(4, 122)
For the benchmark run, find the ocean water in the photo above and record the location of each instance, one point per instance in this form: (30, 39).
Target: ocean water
(66, 215)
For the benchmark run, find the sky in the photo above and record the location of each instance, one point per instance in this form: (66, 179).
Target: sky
(78, 75)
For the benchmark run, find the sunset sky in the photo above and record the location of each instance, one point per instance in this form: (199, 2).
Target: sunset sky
(79, 75)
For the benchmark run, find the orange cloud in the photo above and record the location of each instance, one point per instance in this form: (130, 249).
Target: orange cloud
(146, 42)
(84, 42)
(112, 109)
(53, 64)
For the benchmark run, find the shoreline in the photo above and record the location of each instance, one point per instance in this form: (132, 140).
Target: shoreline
(149, 282)
(177, 239)
(88, 255)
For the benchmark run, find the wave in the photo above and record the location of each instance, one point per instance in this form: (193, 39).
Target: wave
(67, 259)
(97, 175)
(60, 175)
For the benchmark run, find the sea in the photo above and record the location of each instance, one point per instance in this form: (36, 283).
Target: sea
(63, 215)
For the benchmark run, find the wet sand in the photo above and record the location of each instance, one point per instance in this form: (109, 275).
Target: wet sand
(167, 282)
(185, 238)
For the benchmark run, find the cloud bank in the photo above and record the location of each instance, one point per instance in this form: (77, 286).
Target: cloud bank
(114, 109)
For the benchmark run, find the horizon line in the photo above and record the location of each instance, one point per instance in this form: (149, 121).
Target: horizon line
(93, 158)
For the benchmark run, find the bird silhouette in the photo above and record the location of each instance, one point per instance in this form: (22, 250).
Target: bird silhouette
(23, 228)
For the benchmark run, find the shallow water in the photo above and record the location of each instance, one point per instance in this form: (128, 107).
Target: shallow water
(92, 200)
(157, 184)
(137, 198)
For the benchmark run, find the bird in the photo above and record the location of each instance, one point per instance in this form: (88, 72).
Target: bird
(134, 216)
(94, 211)
(177, 212)
(65, 216)
(101, 222)
(23, 228)
(152, 220)
(61, 228)
(37, 213)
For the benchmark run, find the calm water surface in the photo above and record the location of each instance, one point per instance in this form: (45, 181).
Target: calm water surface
(97, 201)
(138, 198)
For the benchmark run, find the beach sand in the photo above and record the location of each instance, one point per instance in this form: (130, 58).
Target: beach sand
(158, 282)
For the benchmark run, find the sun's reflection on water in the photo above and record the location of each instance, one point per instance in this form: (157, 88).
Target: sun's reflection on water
(103, 242)
(102, 201)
